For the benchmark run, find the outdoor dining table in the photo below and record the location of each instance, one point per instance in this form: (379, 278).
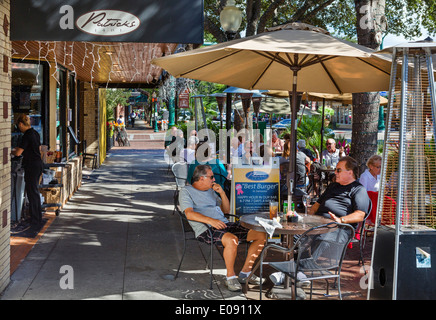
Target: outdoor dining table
(288, 228)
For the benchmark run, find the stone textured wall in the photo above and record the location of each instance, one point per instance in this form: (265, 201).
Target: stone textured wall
(5, 143)
(90, 119)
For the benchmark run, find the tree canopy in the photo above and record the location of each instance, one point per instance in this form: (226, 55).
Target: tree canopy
(404, 17)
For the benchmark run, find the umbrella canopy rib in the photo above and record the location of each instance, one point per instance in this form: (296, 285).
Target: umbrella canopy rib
(274, 57)
(263, 72)
(304, 59)
(329, 75)
(210, 62)
(317, 59)
(375, 67)
(294, 65)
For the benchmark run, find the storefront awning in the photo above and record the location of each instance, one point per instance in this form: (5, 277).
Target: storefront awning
(99, 62)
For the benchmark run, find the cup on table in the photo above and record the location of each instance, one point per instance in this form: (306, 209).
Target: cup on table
(273, 209)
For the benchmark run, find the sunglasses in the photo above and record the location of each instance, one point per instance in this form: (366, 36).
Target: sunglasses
(210, 177)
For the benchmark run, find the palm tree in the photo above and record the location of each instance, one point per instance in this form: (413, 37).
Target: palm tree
(309, 129)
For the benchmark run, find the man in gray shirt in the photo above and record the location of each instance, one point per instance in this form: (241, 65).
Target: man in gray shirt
(205, 203)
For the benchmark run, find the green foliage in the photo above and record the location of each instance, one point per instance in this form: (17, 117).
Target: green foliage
(327, 110)
(309, 129)
(113, 98)
(404, 17)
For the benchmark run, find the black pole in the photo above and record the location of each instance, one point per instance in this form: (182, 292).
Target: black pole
(322, 130)
(293, 153)
(228, 122)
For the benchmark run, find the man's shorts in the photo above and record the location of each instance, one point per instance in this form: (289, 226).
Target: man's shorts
(217, 234)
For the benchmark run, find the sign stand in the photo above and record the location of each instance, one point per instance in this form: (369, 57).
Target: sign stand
(253, 186)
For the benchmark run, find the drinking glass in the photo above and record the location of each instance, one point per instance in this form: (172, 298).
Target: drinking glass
(306, 199)
(328, 163)
(273, 209)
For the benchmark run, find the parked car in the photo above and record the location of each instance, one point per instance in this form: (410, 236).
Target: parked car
(282, 124)
(184, 115)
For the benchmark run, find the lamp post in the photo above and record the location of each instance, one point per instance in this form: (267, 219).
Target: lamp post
(230, 19)
(246, 101)
(256, 105)
(221, 100)
(153, 100)
(172, 101)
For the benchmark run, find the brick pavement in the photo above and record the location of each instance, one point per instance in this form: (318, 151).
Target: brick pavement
(352, 278)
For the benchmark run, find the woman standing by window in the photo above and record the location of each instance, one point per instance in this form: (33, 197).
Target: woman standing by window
(29, 148)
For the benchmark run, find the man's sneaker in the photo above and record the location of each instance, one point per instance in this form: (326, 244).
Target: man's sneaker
(301, 280)
(253, 279)
(277, 278)
(233, 285)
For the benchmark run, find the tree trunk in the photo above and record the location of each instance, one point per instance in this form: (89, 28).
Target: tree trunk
(365, 127)
(369, 25)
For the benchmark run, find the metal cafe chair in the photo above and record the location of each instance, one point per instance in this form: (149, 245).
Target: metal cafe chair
(318, 253)
(188, 234)
(180, 172)
(359, 237)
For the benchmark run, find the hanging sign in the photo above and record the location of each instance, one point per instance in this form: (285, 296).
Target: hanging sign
(108, 22)
(184, 99)
(150, 21)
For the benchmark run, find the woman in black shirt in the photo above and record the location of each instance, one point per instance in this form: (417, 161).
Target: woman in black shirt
(29, 148)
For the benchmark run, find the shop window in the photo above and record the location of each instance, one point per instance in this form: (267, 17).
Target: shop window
(29, 96)
(344, 115)
(61, 106)
(72, 111)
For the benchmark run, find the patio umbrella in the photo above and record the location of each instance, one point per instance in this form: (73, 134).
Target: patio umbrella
(276, 106)
(295, 57)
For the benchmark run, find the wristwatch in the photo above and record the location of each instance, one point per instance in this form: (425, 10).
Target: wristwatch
(343, 220)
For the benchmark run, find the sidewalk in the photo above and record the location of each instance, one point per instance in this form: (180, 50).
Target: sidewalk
(117, 239)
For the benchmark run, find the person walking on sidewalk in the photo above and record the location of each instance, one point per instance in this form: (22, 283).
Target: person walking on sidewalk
(132, 119)
(205, 203)
(29, 148)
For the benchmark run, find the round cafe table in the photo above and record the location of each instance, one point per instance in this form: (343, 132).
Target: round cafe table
(249, 221)
(288, 228)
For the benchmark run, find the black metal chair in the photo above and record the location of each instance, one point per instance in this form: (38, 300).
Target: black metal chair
(92, 156)
(180, 172)
(188, 234)
(318, 253)
(359, 237)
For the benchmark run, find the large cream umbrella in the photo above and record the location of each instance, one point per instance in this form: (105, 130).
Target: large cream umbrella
(345, 98)
(294, 57)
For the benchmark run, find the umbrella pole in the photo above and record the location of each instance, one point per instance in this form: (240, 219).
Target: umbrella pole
(204, 119)
(195, 115)
(322, 130)
(228, 123)
(293, 153)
